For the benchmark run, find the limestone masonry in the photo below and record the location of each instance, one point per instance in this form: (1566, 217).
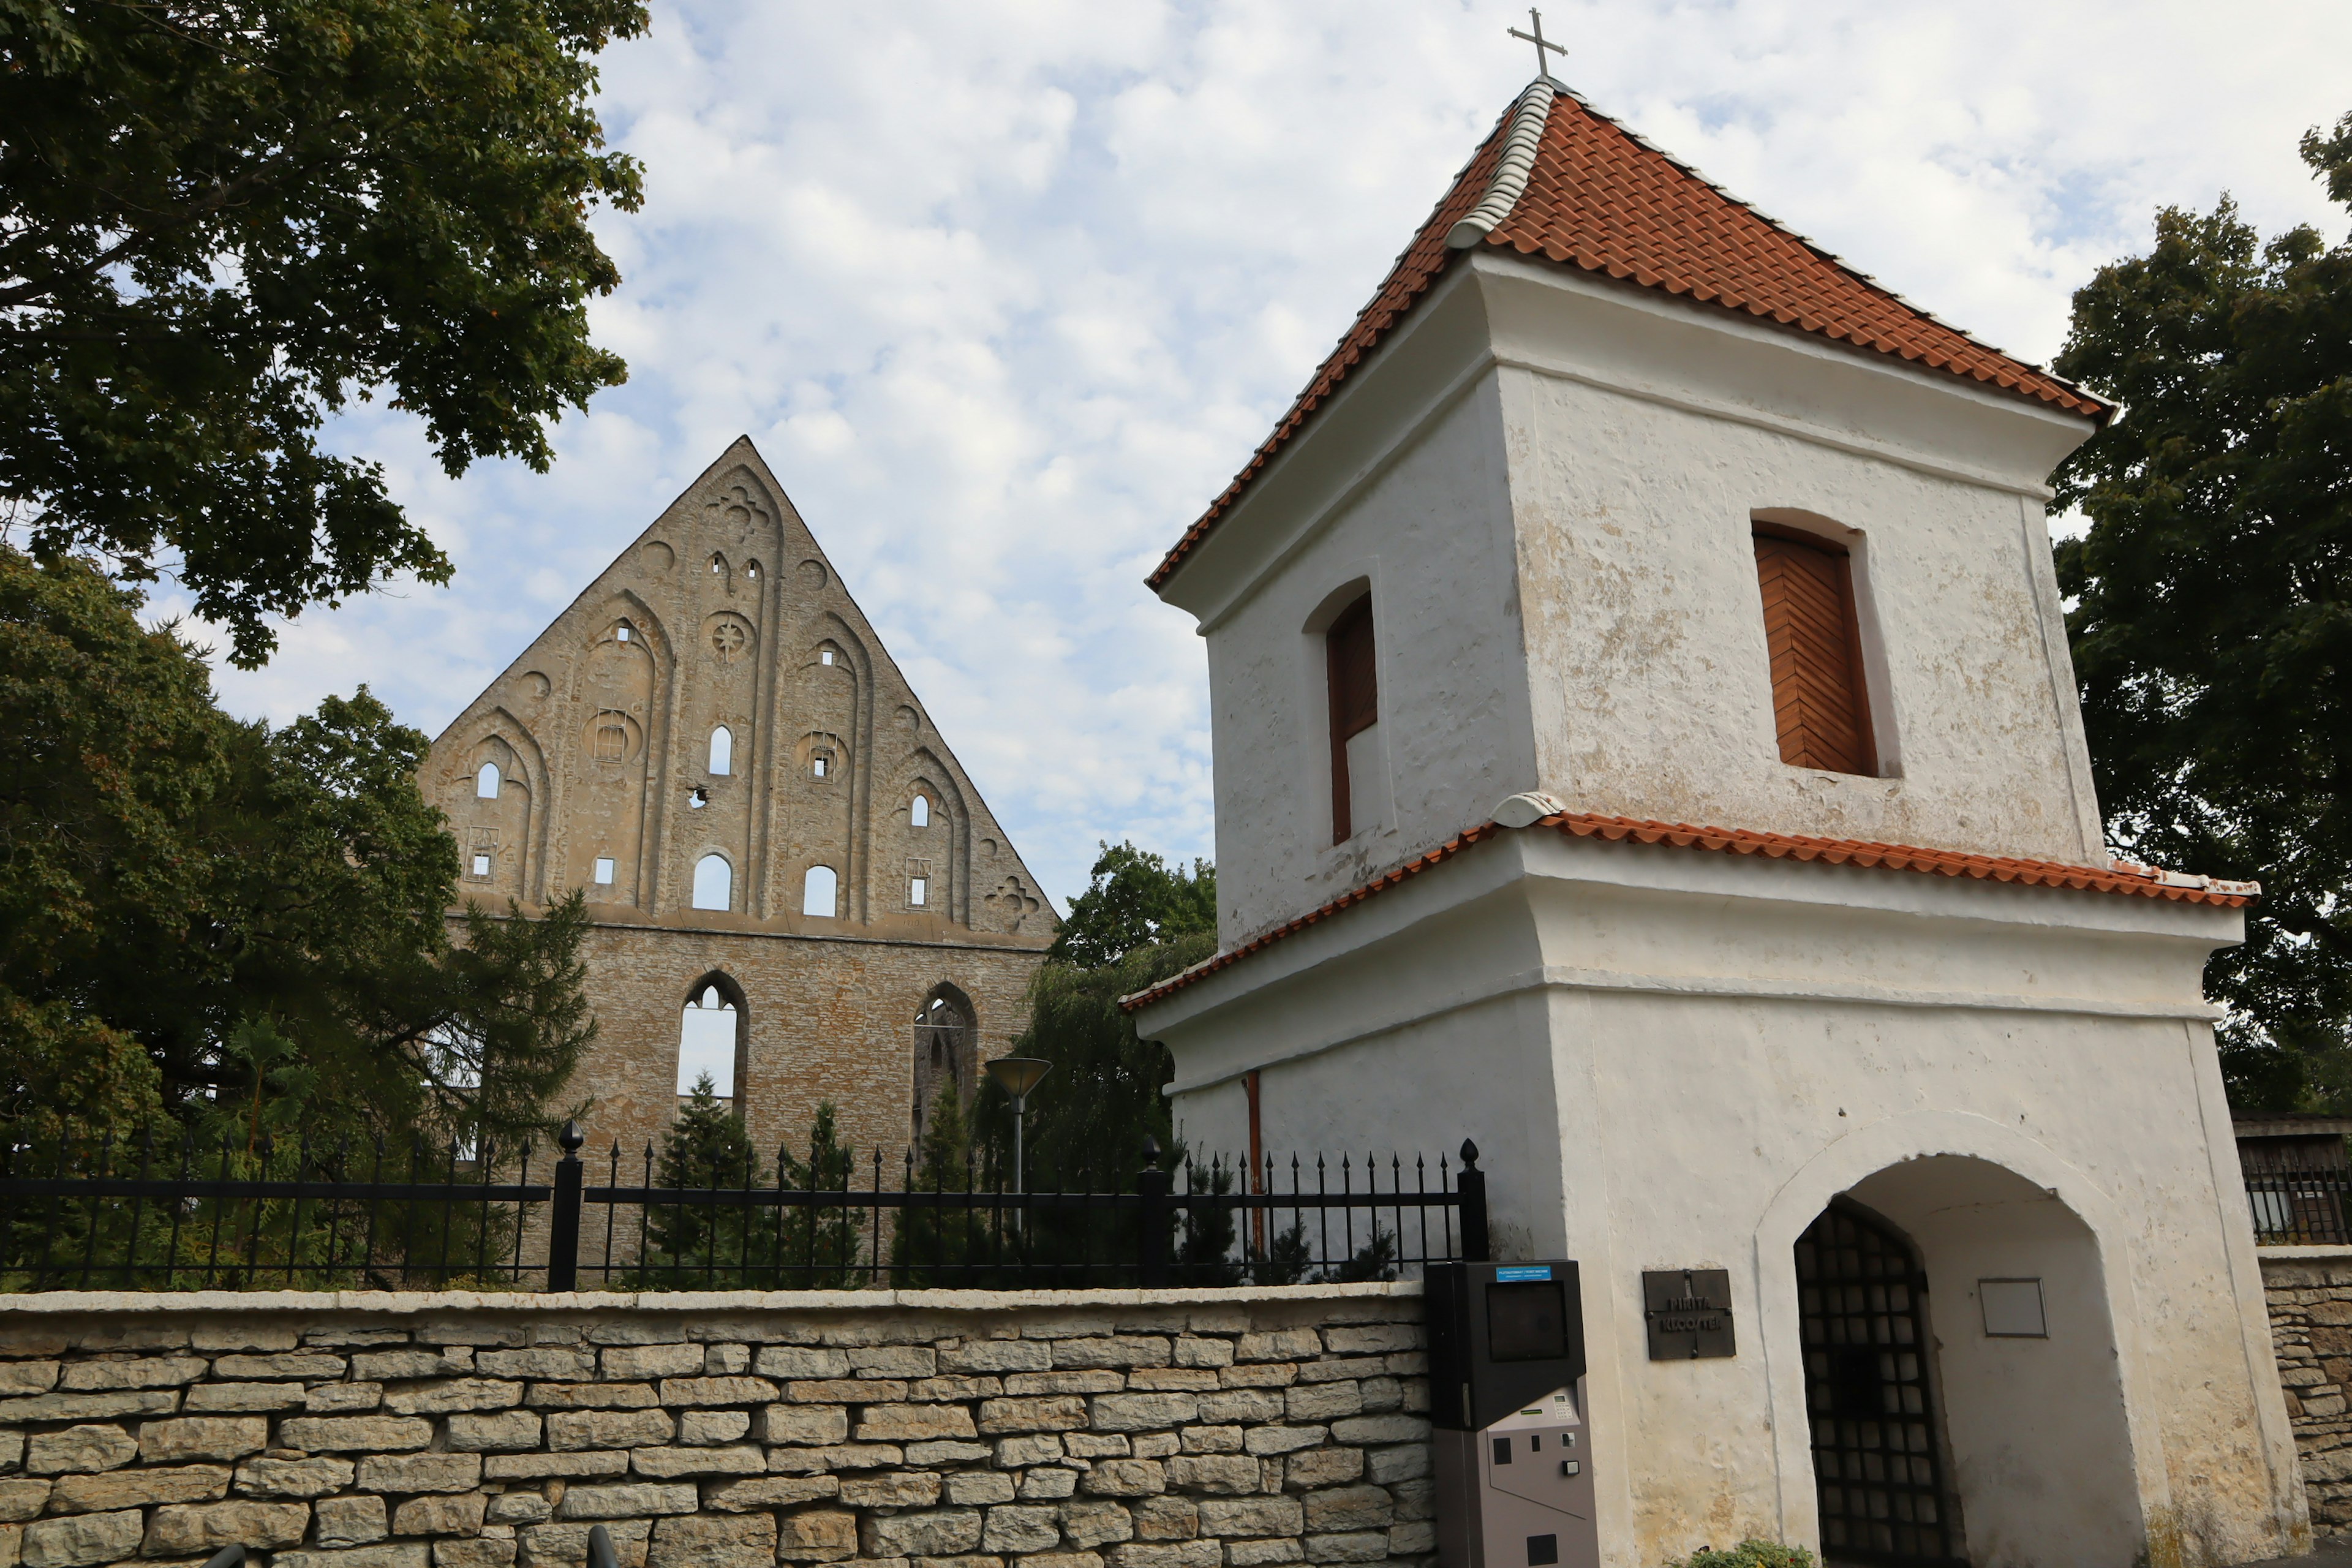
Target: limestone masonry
(918, 1430)
(713, 745)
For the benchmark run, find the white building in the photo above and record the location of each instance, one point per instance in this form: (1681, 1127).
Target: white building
(1622, 507)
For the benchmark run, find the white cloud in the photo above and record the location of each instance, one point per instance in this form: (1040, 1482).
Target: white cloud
(1006, 292)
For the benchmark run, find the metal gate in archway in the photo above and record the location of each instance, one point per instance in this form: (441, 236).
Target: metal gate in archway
(1868, 1396)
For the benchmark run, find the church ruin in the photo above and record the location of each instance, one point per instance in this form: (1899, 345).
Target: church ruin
(795, 885)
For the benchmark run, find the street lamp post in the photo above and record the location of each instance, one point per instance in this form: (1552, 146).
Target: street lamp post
(1017, 1076)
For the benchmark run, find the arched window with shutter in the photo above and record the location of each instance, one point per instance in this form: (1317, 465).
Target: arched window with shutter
(1355, 703)
(1820, 703)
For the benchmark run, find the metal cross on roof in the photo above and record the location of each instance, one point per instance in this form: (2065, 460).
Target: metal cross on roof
(1543, 67)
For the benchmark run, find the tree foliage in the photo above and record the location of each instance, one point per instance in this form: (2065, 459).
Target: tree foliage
(221, 221)
(195, 909)
(1134, 899)
(2212, 632)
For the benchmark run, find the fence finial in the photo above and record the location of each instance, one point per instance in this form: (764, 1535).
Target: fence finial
(572, 1137)
(1469, 1155)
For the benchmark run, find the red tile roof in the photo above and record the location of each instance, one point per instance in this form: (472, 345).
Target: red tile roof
(2143, 881)
(1601, 199)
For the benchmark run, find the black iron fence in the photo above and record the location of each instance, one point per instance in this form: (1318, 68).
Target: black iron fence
(2299, 1207)
(97, 1214)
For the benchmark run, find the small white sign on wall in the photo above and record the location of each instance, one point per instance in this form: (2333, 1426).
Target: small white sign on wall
(2012, 1309)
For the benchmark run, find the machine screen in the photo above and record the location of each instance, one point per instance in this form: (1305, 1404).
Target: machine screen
(1526, 1321)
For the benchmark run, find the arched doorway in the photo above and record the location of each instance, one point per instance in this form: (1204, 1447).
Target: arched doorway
(946, 1044)
(1870, 1394)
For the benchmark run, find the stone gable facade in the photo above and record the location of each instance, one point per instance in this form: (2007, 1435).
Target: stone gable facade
(714, 744)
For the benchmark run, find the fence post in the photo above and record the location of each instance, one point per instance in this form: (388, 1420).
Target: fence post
(1151, 1186)
(1472, 1187)
(564, 1219)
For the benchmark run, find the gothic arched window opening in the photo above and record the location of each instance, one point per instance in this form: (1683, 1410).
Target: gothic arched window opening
(714, 883)
(946, 1051)
(709, 1026)
(918, 814)
(486, 783)
(818, 891)
(722, 749)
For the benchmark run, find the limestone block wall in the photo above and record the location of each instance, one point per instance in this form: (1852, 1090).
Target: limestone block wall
(2309, 1290)
(918, 1430)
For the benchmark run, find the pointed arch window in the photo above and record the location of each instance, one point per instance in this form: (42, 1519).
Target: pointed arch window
(820, 892)
(485, 782)
(919, 813)
(722, 750)
(714, 883)
(708, 1028)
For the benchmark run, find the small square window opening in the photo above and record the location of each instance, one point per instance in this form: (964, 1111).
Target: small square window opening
(481, 864)
(604, 870)
(621, 633)
(816, 767)
(825, 656)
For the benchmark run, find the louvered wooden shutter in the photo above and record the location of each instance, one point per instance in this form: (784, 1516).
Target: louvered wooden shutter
(1355, 700)
(1818, 698)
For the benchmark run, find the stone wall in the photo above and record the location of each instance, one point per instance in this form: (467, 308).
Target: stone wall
(919, 1429)
(2310, 1293)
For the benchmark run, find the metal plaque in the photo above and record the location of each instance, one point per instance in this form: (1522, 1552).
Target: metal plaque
(1689, 1312)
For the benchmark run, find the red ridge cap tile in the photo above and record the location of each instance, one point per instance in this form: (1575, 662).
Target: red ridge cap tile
(2125, 877)
(1600, 199)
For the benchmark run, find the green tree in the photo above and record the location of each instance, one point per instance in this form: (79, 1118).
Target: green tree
(2212, 629)
(945, 1246)
(181, 893)
(704, 1148)
(818, 1248)
(1133, 900)
(220, 222)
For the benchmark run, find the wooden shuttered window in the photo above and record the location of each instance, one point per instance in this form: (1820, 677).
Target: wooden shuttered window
(1355, 702)
(1820, 702)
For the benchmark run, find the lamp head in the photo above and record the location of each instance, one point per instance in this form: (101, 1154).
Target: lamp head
(1018, 1075)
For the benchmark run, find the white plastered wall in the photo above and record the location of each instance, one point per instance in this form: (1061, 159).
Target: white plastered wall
(1655, 1083)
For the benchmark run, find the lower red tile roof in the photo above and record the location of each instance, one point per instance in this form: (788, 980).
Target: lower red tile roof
(1600, 199)
(2143, 881)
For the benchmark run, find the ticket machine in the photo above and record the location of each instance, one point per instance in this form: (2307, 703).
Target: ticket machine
(1514, 1457)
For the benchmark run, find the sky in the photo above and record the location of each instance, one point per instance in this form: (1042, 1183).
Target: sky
(1006, 293)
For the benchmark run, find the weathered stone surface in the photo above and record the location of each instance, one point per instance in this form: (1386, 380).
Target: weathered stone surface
(1097, 1444)
(336, 1398)
(79, 1449)
(214, 1396)
(1143, 1412)
(590, 1396)
(311, 1367)
(22, 1498)
(1404, 1462)
(1063, 1560)
(1018, 1528)
(1282, 1440)
(893, 1360)
(1025, 1384)
(1369, 1546)
(519, 1508)
(1167, 1519)
(628, 1502)
(570, 1429)
(22, 1378)
(1227, 1474)
(941, 1532)
(847, 1391)
(996, 1356)
(540, 1361)
(717, 1390)
(1281, 1344)
(1344, 1508)
(953, 1387)
(1194, 1351)
(503, 1429)
(1061, 1413)
(816, 1535)
(1013, 1452)
(1088, 1524)
(12, 1449)
(1371, 1339)
(743, 1540)
(1212, 1440)
(390, 1554)
(768, 1491)
(667, 1463)
(795, 1362)
(409, 1364)
(1323, 1401)
(1155, 1444)
(1413, 1540)
(1323, 1468)
(839, 1456)
(566, 1546)
(1263, 1554)
(892, 1491)
(973, 1488)
(1111, 1350)
(453, 1393)
(1251, 1516)
(90, 1406)
(1167, 1554)
(458, 1515)
(203, 1437)
(1048, 1483)
(559, 1466)
(208, 1527)
(135, 1488)
(714, 1427)
(1126, 1478)
(419, 1472)
(354, 1433)
(805, 1423)
(1372, 1429)
(82, 1538)
(478, 1552)
(637, 1362)
(1246, 1407)
(140, 1372)
(912, 1423)
(351, 1520)
(262, 1476)
(1172, 1380)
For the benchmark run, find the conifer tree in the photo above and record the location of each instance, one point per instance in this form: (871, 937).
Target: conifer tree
(949, 1244)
